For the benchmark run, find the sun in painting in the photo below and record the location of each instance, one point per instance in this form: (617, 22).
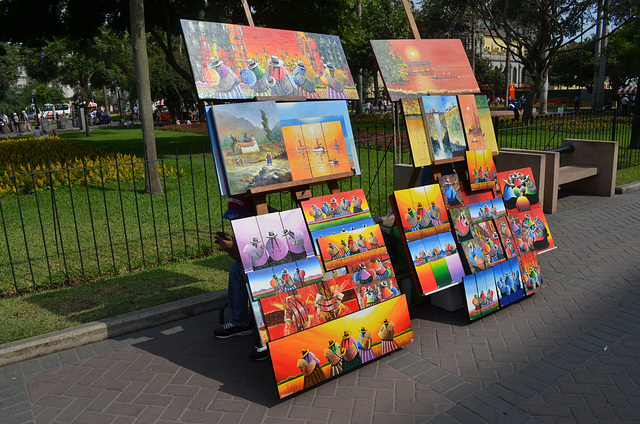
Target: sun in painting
(412, 53)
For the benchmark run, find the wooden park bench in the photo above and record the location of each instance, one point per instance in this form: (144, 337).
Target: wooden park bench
(583, 166)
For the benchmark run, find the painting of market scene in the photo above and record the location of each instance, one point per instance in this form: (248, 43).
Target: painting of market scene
(244, 62)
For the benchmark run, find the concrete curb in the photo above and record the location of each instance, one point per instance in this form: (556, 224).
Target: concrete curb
(626, 188)
(35, 347)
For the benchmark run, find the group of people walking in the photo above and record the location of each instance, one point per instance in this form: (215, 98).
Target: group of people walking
(12, 123)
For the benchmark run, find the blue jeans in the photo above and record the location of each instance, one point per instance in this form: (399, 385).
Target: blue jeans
(237, 295)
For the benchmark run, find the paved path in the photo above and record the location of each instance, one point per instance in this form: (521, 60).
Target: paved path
(570, 353)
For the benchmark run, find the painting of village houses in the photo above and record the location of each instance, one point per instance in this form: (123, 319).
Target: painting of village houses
(251, 145)
(414, 68)
(244, 62)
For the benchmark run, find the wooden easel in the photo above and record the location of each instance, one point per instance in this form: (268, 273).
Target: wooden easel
(300, 190)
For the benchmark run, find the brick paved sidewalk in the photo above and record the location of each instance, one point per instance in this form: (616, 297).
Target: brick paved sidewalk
(570, 353)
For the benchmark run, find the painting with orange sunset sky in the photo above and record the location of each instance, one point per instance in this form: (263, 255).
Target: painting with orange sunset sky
(416, 68)
(287, 352)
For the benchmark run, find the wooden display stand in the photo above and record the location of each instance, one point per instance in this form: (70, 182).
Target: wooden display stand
(300, 190)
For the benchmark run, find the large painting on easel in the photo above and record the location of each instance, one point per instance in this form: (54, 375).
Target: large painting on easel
(414, 68)
(243, 62)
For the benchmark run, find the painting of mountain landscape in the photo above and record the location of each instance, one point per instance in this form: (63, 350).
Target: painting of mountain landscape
(251, 145)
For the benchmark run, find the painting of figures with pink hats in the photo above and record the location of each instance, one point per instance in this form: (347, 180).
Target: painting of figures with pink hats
(244, 62)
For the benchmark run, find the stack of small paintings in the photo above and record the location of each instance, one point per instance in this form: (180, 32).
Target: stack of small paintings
(426, 233)
(312, 314)
(244, 62)
(253, 148)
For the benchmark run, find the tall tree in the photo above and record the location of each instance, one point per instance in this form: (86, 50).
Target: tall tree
(535, 31)
(141, 66)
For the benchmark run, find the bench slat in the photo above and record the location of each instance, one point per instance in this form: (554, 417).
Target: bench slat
(569, 174)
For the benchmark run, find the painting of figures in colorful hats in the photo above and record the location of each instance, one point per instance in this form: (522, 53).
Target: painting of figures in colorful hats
(243, 62)
(415, 68)
(307, 358)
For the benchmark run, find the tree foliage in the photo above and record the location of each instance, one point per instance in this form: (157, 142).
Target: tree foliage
(535, 32)
(574, 66)
(623, 53)
(445, 18)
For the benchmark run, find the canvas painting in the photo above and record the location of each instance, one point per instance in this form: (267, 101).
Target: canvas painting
(318, 147)
(504, 282)
(243, 62)
(471, 122)
(530, 271)
(461, 221)
(519, 236)
(275, 241)
(486, 123)
(414, 68)
(420, 152)
(422, 266)
(487, 296)
(306, 359)
(436, 258)
(421, 211)
(450, 189)
(269, 281)
(506, 237)
(472, 297)
(251, 144)
(294, 230)
(443, 124)
(297, 152)
(490, 245)
(341, 249)
(337, 229)
(475, 256)
(376, 292)
(452, 257)
(215, 149)
(535, 230)
(253, 252)
(262, 328)
(519, 190)
(482, 169)
(338, 209)
(301, 113)
(301, 309)
(519, 290)
(370, 270)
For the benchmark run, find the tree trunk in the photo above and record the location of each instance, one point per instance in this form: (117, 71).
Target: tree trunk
(359, 108)
(107, 103)
(141, 67)
(527, 113)
(376, 88)
(544, 95)
(602, 68)
(596, 69)
(635, 127)
(507, 74)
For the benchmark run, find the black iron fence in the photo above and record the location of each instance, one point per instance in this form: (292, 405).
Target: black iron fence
(70, 222)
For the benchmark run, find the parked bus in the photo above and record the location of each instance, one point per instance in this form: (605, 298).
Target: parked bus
(51, 110)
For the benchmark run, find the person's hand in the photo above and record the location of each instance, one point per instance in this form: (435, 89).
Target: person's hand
(227, 244)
